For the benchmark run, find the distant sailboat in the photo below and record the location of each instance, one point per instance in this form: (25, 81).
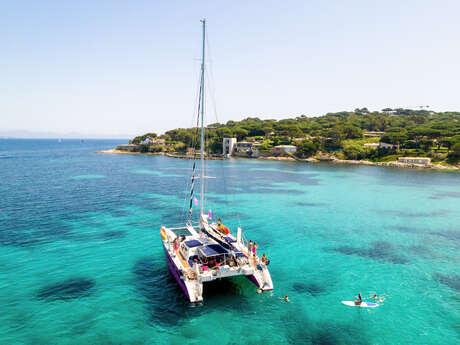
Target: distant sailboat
(205, 251)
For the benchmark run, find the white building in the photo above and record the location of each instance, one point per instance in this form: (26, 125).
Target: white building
(373, 134)
(373, 145)
(228, 146)
(388, 146)
(285, 148)
(415, 160)
(244, 146)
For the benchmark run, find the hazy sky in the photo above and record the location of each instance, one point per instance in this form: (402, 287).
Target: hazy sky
(132, 66)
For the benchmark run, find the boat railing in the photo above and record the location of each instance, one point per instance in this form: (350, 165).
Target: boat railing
(244, 241)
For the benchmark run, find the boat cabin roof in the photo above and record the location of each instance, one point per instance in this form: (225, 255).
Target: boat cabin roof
(213, 250)
(193, 243)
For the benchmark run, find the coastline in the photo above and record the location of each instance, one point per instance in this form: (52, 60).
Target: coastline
(393, 164)
(171, 155)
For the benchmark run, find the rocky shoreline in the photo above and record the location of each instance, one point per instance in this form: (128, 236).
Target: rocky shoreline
(394, 164)
(167, 154)
(292, 159)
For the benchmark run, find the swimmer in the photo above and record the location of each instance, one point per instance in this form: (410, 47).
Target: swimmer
(285, 298)
(378, 299)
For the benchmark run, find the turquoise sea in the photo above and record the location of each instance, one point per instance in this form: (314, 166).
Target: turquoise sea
(81, 260)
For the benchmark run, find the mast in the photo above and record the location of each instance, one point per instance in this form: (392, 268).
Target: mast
(202, 122)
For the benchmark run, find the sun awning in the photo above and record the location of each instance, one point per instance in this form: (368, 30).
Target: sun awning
(229, 239)
(213, 250)
(193, 243)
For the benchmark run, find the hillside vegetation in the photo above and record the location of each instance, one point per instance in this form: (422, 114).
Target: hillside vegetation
(342, 134)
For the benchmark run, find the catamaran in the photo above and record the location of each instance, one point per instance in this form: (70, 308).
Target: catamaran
(203, 251)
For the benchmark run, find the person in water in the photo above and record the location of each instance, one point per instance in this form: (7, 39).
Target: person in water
(377, 299)
(285, 298)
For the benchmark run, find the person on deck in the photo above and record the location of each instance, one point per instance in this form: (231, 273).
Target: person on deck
(264, 259)
(204, 265)
(212, 263)
(175, 244)
(221, 227)
(250, 248)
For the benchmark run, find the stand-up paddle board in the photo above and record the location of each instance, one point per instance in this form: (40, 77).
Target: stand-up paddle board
(362, 304)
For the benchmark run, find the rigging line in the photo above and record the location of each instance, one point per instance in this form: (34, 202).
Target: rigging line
(186, 190)
(192, 186)
(200, 105)
(211, 79)
(211, 91)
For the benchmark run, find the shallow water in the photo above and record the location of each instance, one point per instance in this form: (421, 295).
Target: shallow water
(81, 260)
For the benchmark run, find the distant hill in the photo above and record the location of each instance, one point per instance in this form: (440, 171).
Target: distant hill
(343, 134)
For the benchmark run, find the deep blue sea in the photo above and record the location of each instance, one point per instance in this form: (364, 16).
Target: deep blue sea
(81, 260)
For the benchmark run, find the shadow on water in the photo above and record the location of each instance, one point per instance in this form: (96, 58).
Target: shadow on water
(112, 235)
(423, 252)
(228, 294)
(120, 213)
(444, 195)
(167, 304)
(273, 190)
(381, 250)
(407, 229)
(312, 288)
(450, 235)
(309, 204)
(409, 214)
(24, 237)
(301, 330)
(68, 289)
(174, 217)
(452, 281)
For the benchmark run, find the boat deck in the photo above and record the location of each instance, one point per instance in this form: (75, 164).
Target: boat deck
(184, 262)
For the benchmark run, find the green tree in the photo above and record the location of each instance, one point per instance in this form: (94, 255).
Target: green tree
(447, 142)
(307, 148)
(267, 130)
(240, 133)
(425, 144)
(355, 151)
(454, 155)
(395, 136)
(352, 132)
(290, 130)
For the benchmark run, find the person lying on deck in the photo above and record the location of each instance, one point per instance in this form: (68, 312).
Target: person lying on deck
(222, 228)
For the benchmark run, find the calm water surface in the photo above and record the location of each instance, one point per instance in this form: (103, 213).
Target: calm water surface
(81, 260)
